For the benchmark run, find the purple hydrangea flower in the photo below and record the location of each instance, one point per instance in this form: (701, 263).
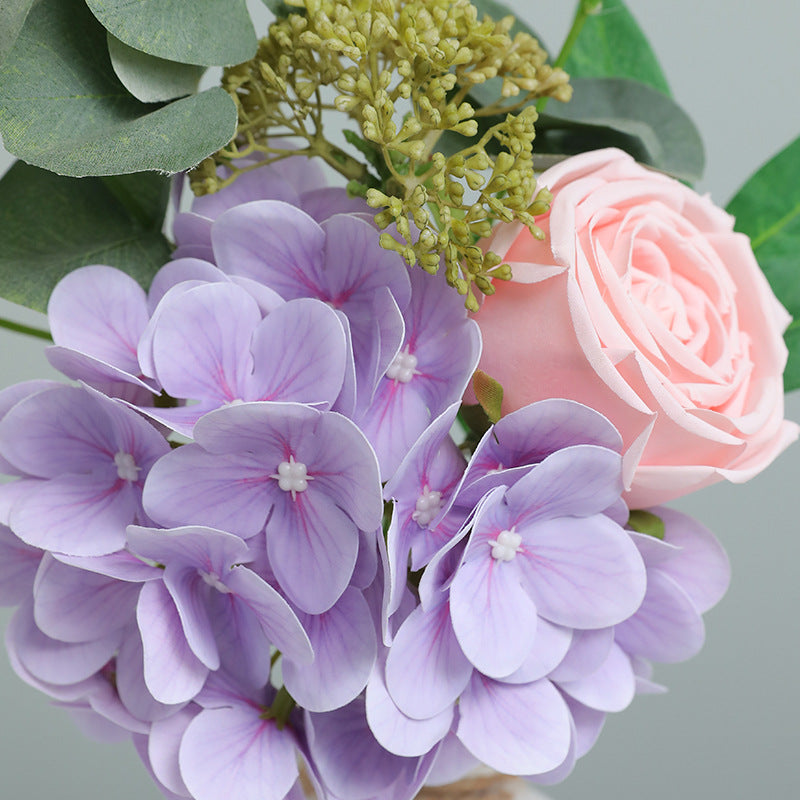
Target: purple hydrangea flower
(215, 597)
(309, 478)
(84, 459)
(209, 344)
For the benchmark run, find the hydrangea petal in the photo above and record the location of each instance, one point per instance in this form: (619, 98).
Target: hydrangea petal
(702, 570)
(299, 351)
(201, 343)
(55, 431)
(350, 760)
(83, 515)
(426, 669)
(611, 687)
(312, 546)
(588, 651)
(278, 621)
(163, 747)
(493, 617)
(345, 648)
(172, 672)
(569, 565)
(131, 687)
(190, 593)
(667, 627)
(551, 645)
(52, 661)
(395, 731)
(272, 243)
(77, 606)
(190, 486)
(99, 311)
(576, 481)
(521, 729)
(201, 547)
(232, 752)
(18, 565)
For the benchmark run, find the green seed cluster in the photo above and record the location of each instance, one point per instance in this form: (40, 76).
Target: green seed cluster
(438, 170)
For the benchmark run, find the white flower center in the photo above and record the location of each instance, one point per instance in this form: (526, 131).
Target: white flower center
(403, 368)
(126, 467)
(429, 504)
(506, 546)
(292, 476)
(213, 580)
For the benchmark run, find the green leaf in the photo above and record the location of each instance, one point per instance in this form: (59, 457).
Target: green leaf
(791, 375)
(767, 209)
(149, 78)
(281, 9)
(12, 18)
(63, 108)
(370, 152)
(662, 134)
(205, 32)
(647, 523)
(489, 393)
(495, 10)
(612, 45)
(51, 225)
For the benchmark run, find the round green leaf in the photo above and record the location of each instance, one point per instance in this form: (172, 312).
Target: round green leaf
(63, 108)
(149, 78)
(665, 135)
(51, 225)
(612, 45)
(12, 18)
(496, 11)
(205, 32)
(767, 209)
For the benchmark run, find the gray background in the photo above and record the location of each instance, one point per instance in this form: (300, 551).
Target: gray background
(727, 728)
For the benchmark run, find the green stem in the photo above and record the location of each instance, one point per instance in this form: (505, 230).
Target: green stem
(586, 8)
(27, 330)
(280, 709)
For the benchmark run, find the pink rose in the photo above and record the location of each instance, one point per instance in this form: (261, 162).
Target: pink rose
(644, 304)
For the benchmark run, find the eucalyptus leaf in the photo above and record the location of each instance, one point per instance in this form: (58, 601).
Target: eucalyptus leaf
(282, 9)
(51, 225)
(496, 10)
(149, 78)
(63, 108)
(767, 209)
(665, 136)
(12, 18)
(205, 32)
(612, 45)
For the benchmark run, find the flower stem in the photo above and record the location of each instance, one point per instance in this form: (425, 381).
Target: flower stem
(585, 9)
(25, 329)
(280, 709)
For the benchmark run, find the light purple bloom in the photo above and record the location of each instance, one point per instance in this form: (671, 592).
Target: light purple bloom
(232, 749)
(85, 459)
(308, 476)
(296, 180)
(97, 315)
(423, 489)
(214, 596)
(438, 356)
(351, 763)
(339, 261)
(209, 344)
(687, 574)
(543, 548)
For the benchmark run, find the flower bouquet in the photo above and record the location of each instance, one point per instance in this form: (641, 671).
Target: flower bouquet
(358, 486)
